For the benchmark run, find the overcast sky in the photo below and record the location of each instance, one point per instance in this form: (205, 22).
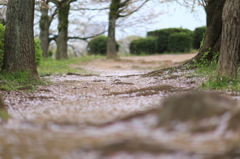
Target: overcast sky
(175, 16)
(182, 17)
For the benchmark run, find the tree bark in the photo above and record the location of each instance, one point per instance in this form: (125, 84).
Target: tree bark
(212, 39)
(19, 54)
(62, 38)
(111, 41)
(44, 31)
(230, 45)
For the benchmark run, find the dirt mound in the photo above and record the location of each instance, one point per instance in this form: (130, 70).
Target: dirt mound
(199, 112)
(194, 106)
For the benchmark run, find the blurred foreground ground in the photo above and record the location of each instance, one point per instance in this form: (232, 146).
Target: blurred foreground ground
(120, 111)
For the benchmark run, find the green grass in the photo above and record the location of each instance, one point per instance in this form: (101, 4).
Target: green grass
(222, 83)
(4, 115)
(214, 82)
(51, 66)
(17, 80)
(14, 80)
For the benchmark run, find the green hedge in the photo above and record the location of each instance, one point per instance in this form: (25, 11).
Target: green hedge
(198, 35)
(38, 51)
(163, 36)
(143, 46)
(98, 46)
(179, 42)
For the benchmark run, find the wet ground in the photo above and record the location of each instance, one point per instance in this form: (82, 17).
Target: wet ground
(121, 111)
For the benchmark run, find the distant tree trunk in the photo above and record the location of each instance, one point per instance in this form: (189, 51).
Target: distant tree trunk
(212, 39)
(62, 38)
(44, 31)
(111, 41)
(19, 54)
(230, 45)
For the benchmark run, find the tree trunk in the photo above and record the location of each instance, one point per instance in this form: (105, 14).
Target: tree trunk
(44, 31)
(62, 38)
(19, 54)
(212, 39)
(111, 41)
(230, 45)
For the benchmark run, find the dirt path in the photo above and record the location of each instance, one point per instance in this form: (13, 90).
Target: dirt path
(138, 64)
(52, 102)
(112, 113)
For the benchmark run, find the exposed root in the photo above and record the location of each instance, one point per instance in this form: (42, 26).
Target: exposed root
(161, 71)
(147, 90)
(78, 74)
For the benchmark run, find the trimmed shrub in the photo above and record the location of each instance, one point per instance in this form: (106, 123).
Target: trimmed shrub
(198, 35)
(38, 51)
(143, 46)
(161, 39)
(179, 42)
(163, 36)
(98, 46)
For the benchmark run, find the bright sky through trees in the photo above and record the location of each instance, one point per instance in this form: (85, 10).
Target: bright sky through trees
(175, 16)
(182, 17)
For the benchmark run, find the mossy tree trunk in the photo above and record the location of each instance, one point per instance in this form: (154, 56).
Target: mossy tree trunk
(111, 41)
(63, 7)
(222, 35)
(212, 39)
(19, 54)
(230, 43)
(62, 38)
(44, 31)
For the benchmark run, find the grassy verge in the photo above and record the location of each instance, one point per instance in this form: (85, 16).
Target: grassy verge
(22, 80)
(214, 82)
(17, 80)
(4, 115)
(51, 66)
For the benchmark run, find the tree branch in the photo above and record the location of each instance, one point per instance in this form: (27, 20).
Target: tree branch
(93, 9)
(51, 17)
(123, 3)
(78, 38)
(56, 2)
(128, 14)
(89, 37)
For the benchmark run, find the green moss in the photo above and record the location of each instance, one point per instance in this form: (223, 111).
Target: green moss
(63, 13)
(114, 6)
(4, 115)
(14, 80)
